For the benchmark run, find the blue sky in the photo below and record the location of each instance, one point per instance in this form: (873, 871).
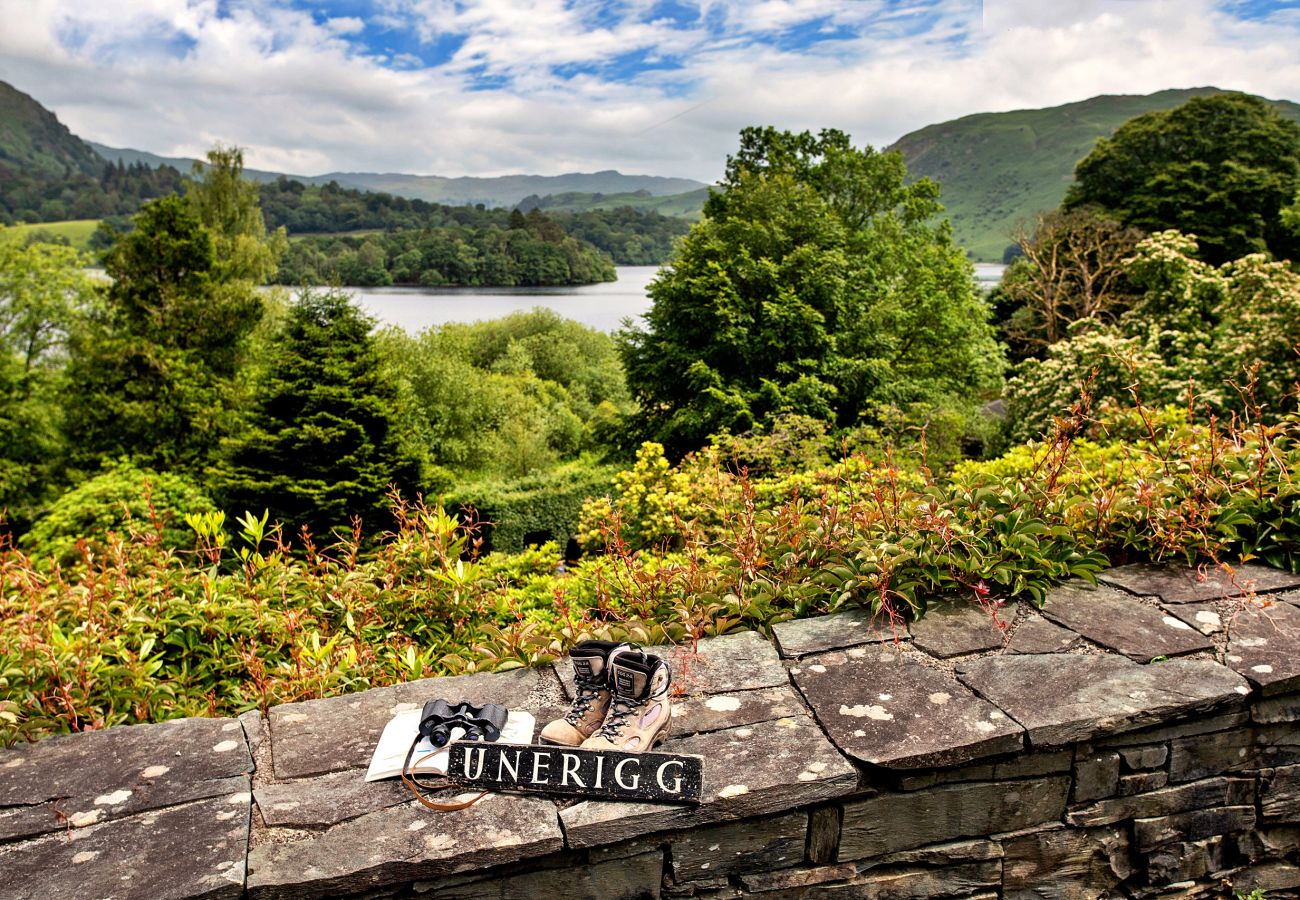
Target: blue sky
(658, 86)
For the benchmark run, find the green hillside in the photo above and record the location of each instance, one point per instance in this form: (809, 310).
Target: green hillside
(687, 205)
(997, 169)
(34, 143)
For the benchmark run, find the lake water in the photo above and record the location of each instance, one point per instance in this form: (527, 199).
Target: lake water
(602, 306)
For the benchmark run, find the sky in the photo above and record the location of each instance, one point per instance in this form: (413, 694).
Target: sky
(656, 87)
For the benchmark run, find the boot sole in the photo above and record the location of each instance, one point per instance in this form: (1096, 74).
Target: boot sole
(551, 743)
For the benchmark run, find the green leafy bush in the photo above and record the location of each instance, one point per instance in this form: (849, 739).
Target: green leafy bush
(122, 500)
(139, 633)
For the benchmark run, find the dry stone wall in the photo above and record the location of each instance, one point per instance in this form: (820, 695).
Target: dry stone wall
(1139, 738)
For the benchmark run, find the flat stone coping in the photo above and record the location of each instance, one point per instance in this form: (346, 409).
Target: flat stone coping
(831, 707)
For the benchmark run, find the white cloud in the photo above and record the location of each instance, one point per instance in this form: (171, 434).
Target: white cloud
(304, 94)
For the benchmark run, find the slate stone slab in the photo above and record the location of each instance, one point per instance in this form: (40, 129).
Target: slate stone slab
(956, 629)
(96, 776)
(749, 771)
(1039, 635)
(1116, 620)
(893, 711)
(1065, 698)
(1243, 750)
(962, 880)
(1279, 795)
(1017, 765)
(734, 662)
(851, 628)
(634, 878)
(406, 843)
(715, 712)
(318, 736)
(1264, 646)
(195, 850)
(755, 845)
(892, 822)
(1063, 863)
(1166, 802)
(1204, 617)
(1183, 584)
(1191, 826)
(327, 799)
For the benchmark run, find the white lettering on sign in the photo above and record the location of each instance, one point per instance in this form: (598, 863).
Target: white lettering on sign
(541, 766)
(618, 775)
(600, 772)
(677, 782)
(571, 764)
(468, 757)
(505, 764)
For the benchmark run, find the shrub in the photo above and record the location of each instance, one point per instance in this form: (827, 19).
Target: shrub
(121, 501)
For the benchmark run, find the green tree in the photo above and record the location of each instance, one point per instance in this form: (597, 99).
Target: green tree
(1222, 168)
(321, 444)
(817, 284)
(43, 292)
(151, 372)
(229, 207)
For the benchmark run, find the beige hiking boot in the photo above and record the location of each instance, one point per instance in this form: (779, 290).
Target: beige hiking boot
(590, 669)
(639, 709)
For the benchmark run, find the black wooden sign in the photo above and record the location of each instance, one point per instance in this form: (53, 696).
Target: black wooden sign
(612, 774)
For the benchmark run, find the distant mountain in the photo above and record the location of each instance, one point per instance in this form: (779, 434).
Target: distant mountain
(504, 190)
(34, 143)
(996, 170)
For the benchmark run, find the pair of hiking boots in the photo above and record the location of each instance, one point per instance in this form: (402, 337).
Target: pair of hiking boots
(621, 702)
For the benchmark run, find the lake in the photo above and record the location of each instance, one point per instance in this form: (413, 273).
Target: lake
(602, 306)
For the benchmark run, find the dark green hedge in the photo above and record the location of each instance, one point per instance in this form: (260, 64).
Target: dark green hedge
(534, 509)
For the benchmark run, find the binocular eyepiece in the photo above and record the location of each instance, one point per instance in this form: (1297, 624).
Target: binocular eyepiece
(481, 723)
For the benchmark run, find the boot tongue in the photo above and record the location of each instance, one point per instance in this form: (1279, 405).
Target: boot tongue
(631, 677)
(589, 668)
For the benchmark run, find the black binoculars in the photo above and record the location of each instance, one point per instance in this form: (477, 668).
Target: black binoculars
(481, 723)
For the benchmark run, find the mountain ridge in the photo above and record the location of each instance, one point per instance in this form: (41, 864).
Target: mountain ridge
(499, 190)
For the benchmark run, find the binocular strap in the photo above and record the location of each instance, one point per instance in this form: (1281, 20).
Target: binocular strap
(421, 790)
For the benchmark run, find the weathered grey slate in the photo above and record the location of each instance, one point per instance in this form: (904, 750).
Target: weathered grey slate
(1191, 826)
(961, 880)
(714, 712)
(1017, 765)
(318, 736)
(1183, 584)
(722, 665)
(189, 851)
(327, 799)
(956, 629)
(1244, 749)
(1115, 620)
(406, 843)
(1064, 698)
(1039, 635)
(851, 628)
(101, 775)
(1167, 801)
(755, 845)
(893, 822)
(1201, 616)
(891, 710)
(1279, 794)
(749, 771)
(1264, 646)
(637, 877)
(1064, 864)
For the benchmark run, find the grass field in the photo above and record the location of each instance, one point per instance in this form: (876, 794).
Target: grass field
(76, 231)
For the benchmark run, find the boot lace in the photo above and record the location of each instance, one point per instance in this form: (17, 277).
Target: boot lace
(619, 710)
(588, 691)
